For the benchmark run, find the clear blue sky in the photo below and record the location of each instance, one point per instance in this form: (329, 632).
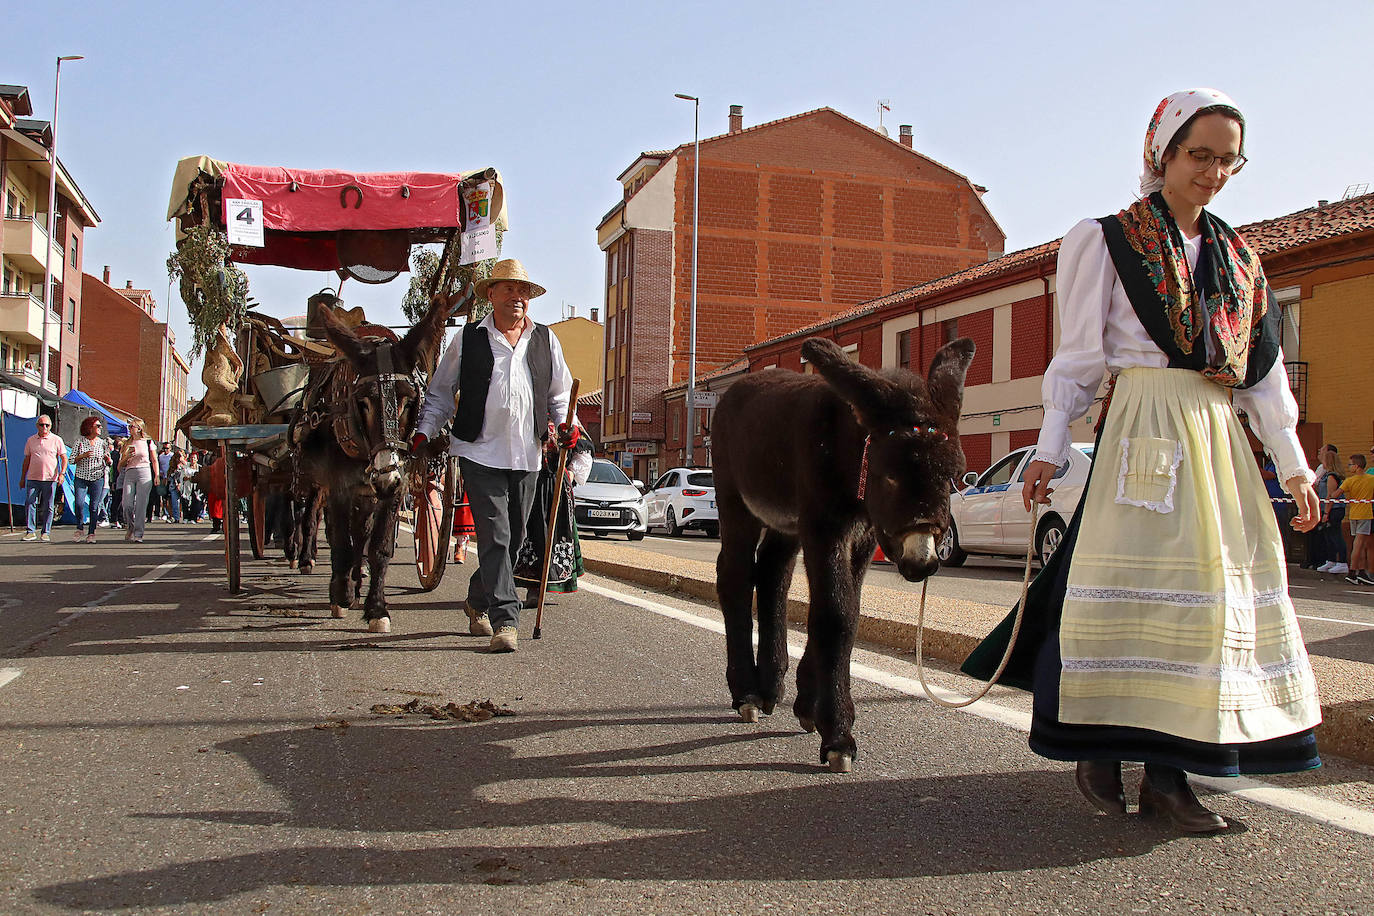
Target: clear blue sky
(1045, 104)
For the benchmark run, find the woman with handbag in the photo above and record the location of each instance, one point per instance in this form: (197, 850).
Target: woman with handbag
(90, 460)
(140, 476)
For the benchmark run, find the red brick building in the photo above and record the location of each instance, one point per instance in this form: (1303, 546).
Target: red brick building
(800, 219)
(129, 359)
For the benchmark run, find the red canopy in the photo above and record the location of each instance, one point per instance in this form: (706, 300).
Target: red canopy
(324, 219)
(301, 200)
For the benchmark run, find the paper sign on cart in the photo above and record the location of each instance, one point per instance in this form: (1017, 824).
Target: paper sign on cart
(479, 235)
(243, 219)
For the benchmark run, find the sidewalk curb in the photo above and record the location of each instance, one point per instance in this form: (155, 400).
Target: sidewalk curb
(1347, 727)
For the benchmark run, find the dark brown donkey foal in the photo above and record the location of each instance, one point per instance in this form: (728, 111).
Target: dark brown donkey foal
(828, 464)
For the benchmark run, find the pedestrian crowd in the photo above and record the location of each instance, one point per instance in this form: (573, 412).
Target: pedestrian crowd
(121, 482)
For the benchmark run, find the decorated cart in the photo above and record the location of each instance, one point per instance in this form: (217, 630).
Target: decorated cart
(361, 226)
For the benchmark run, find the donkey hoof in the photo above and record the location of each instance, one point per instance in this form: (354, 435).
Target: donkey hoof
(808, 725)
(839, 762)
(749, 712)
(305, 568)
(379, 625)
(290, 564)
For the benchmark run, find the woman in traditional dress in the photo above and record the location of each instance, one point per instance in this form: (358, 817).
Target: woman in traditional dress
(565, 563)
(1161, 631)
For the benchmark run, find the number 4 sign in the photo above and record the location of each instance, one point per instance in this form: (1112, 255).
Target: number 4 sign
(243, 219)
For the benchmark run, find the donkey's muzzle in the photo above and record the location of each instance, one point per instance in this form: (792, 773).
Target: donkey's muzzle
(918, 559)
(386, 472)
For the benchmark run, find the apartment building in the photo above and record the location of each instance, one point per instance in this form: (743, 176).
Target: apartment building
(800, 219)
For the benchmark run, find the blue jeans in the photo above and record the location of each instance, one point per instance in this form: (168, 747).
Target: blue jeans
(90, 497)
(174, 498)
(40, 497)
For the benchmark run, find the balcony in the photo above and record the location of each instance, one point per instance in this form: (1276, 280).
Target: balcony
(21, 317)
(26, 242)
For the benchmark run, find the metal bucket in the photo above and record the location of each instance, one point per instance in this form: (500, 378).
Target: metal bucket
(282, 388)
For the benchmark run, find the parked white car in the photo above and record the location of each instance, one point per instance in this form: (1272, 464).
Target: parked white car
(684, 498)
(989, 516)
(610, 502)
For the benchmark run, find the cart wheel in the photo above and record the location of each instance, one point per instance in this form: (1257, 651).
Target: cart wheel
(434, 495)
(257, 523)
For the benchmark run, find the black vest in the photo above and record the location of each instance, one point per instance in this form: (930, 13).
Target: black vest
(474, 380)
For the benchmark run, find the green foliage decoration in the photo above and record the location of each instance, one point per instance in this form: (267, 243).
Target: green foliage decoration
(214, 290)
(423, 264)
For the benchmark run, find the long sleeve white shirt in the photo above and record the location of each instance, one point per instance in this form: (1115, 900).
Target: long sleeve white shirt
(506, 441)
(1099, 332)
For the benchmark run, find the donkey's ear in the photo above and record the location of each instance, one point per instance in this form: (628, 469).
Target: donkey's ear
(945, 380)
(421, 343)
(340, 334)
(870, 395)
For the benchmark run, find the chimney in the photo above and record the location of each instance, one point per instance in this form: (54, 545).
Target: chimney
(107, 274)
(736, 118)
(1322, 203)
(595, 313)
(128, 284)
(904, 135)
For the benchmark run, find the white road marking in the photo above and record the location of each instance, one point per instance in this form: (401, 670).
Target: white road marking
(1293, 801)
(151, 576)
(9, 674)
(1353, 623)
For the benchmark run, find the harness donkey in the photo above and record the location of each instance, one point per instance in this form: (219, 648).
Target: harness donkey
(353, 432)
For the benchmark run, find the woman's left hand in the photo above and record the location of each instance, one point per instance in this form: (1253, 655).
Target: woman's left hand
(1308, 505)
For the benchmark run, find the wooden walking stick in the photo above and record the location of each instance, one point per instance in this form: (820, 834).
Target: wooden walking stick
(553, 513)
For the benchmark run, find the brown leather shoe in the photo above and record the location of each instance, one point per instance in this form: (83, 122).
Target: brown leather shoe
(479, 624)
(1181, 806)
(1100, 783)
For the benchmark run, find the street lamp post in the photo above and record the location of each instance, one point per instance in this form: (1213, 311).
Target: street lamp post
(52, 225)
(692, 328)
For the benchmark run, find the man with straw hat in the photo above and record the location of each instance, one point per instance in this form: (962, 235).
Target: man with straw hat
(501, 380)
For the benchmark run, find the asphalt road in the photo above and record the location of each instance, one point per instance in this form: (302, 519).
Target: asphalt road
(1337, 618)
(168, 748)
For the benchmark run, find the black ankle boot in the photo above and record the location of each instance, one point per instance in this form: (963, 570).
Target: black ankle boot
(1165, 790)
(1100, 783)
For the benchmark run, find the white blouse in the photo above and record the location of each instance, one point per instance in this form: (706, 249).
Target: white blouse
(506, 441)
(1099, 332)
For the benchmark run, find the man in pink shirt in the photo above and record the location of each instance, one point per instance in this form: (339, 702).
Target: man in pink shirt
(45, 462)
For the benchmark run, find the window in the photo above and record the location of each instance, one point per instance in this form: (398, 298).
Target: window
(1000, 473)
(11, 204)
(69, 374)
(615, 264)
(949, 329)
(677, 424)
(4, 356)
(76, 262)
(71, 314)
(904, 350)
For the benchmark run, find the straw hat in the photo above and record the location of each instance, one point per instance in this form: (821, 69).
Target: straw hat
(509, 269)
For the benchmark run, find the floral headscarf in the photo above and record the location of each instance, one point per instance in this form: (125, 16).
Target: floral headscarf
(1172, 114)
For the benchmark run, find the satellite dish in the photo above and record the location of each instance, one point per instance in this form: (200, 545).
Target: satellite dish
(883, 130)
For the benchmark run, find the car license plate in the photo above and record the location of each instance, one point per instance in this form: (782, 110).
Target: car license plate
(603, 513)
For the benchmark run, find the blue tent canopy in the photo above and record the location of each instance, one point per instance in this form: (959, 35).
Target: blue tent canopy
(113, 425)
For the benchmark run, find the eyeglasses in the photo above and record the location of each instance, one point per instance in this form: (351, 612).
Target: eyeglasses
(44, 425)
(1202, 159)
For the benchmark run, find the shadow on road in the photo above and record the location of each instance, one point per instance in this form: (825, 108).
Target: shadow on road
(806, 832)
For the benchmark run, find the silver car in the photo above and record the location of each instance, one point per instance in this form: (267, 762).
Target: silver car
(989, 517)
(610, 502)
